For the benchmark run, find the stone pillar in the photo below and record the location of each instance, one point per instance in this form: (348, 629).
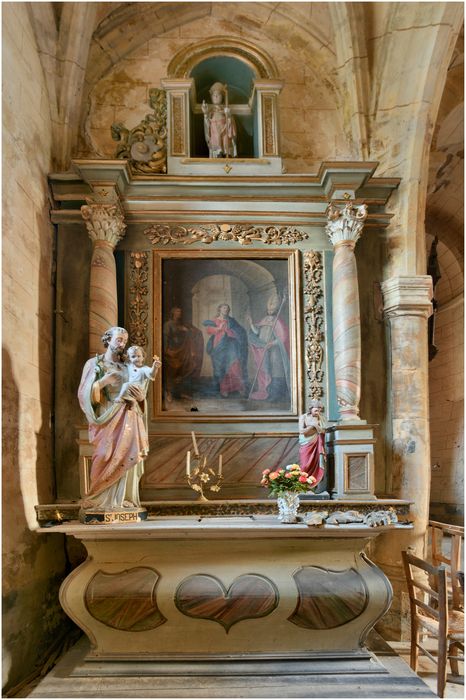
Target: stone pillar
(344, 228)
(105, 225)
(407, 306)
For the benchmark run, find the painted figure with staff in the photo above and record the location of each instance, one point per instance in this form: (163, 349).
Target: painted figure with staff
(219, 124)
(270, 346)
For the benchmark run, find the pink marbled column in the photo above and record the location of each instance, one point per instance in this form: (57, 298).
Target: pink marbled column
(103, 307)
(344, 227)
(346, 331)
(106, 227)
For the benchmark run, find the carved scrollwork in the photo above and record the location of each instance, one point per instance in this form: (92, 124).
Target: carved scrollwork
(169, 234)
(145, 146)
(138, 304)
(314, 316)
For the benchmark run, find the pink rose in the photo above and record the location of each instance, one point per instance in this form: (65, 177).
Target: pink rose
(266, 471)
(311, 480)
(288, 475)
(303, 479)
(273, 475)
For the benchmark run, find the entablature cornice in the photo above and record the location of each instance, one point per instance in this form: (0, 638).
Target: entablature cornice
(289, 198)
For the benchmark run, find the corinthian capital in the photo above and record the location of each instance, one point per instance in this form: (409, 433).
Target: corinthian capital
(345, 224)
(104, 222)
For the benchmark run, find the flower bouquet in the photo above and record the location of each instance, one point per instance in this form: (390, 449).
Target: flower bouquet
(286, 484)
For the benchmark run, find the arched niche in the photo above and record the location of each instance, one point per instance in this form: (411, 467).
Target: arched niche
(252, 94)
(260, 63)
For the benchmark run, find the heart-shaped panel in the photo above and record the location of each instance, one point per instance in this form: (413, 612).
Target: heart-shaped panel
(125, 600)
(204, 596)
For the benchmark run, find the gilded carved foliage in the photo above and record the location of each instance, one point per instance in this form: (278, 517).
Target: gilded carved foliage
(269, 141)
(138, 304)
(145, 146)
(172, 234)
(178, 144)
(314, 317)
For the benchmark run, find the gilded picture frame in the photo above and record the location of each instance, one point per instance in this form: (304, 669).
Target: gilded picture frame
(227, 328)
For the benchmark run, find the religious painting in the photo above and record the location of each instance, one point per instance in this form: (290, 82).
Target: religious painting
(226, 329)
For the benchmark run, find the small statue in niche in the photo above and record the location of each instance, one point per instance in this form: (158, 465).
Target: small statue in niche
(219, 124)
(312, 441)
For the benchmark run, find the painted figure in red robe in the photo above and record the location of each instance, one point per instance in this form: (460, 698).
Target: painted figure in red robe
(312, 441)
(270, 346)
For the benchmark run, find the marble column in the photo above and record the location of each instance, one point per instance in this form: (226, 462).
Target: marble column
(407, 306)
(350, 443)
(105, 225)
(344, 228)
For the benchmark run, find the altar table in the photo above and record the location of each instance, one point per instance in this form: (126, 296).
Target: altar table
(194, 588)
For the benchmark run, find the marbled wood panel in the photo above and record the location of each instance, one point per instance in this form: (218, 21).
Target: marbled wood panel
(243, 460)
(206, 597)
(357, 472)
(125, 600)
(327, 598)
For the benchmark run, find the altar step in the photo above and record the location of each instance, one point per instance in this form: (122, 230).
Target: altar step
(383, 676)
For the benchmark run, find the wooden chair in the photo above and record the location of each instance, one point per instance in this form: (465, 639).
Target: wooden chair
(439, 534)
(428, 599)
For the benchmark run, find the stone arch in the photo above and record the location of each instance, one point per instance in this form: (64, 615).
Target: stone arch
(427, 56)
(444, 219)
(184, 61)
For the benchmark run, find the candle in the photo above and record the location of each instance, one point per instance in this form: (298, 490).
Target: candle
(196, 451)
(188, 463)
(220, 465)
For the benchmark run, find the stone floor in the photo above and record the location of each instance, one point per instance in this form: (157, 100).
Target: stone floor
(427, 671)
(391, 678)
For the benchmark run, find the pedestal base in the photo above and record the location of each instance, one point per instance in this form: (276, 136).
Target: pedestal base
(351, 447)
(107, 517)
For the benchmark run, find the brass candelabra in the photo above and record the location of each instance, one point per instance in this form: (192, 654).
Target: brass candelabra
(199, 475)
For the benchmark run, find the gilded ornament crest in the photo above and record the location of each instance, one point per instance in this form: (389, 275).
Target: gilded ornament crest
(314, 316)
(169, 234)
(145, 146)
(138, 304)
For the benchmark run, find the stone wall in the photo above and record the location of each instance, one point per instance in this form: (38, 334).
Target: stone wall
(446, 375)
(33, 565)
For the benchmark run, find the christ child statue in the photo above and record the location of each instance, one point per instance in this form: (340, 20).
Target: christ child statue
(139, 374)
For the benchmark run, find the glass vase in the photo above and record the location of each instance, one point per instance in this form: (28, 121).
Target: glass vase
(288, 504)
